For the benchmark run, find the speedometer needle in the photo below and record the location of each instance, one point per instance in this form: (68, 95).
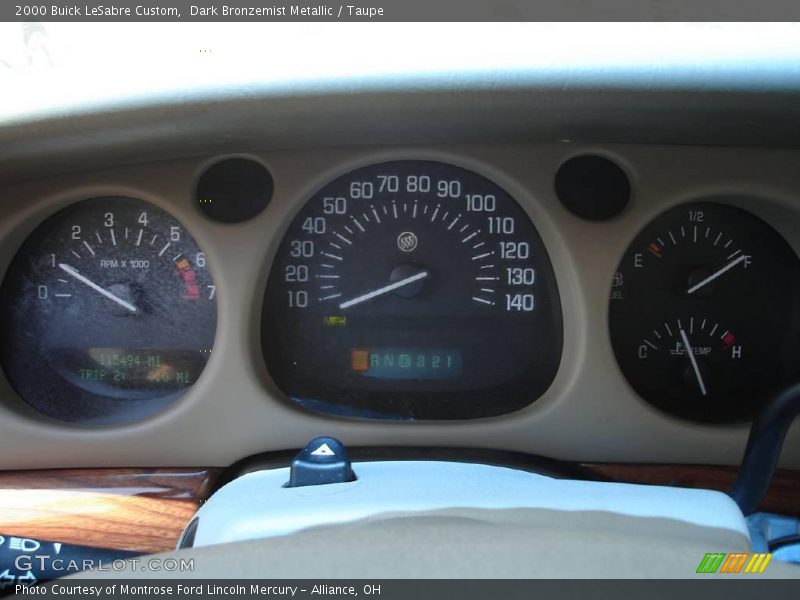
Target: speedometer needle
(688, 348)
(74, 273)
(384, 290)
(713, 276)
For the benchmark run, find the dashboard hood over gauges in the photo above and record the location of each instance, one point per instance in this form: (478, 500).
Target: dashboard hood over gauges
(735, 85)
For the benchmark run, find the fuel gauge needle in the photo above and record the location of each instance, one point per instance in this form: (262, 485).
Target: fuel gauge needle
(713, 276)
(74, 273)
(688, 347)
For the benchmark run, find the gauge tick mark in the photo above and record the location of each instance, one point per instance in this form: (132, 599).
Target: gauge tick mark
(341, 237)
(483, 300)
(470, 236)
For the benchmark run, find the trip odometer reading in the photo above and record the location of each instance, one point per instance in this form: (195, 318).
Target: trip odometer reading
(108, 312)
(416, 290)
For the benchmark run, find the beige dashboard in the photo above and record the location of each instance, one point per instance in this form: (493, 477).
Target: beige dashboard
(589, 413)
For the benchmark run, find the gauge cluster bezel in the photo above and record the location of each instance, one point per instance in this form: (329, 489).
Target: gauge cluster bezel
(588, 413)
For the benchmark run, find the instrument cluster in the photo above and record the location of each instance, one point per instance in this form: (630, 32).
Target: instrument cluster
(410, 289)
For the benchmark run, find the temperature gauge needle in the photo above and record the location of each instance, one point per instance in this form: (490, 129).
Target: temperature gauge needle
(713, 276)
(688, 347)
(74, 273)
(384, 290)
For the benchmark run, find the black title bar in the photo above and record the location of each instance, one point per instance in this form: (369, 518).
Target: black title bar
(399, 10)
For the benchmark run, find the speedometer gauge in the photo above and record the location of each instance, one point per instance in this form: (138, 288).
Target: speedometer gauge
(412, 290)
(108, 312)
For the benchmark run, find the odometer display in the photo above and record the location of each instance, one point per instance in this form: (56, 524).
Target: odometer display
(412, 290)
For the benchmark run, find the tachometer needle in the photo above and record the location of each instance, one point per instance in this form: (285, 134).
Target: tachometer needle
(688, 348)
(713, 276)
(384, 290)
(70, 271)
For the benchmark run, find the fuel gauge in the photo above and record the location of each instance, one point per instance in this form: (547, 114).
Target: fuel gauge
(705, 313)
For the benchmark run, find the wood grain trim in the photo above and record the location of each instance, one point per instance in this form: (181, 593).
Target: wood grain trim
(143, 510)
(783, 496)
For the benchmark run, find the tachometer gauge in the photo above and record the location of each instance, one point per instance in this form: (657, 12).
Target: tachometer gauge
(107, 312)
(413, 290)
(705, 313)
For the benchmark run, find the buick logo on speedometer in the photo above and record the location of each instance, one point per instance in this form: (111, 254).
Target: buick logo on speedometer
(407, 241)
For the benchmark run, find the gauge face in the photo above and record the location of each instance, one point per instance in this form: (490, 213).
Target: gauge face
(412, 290)
(108, 312)
(704, 313)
